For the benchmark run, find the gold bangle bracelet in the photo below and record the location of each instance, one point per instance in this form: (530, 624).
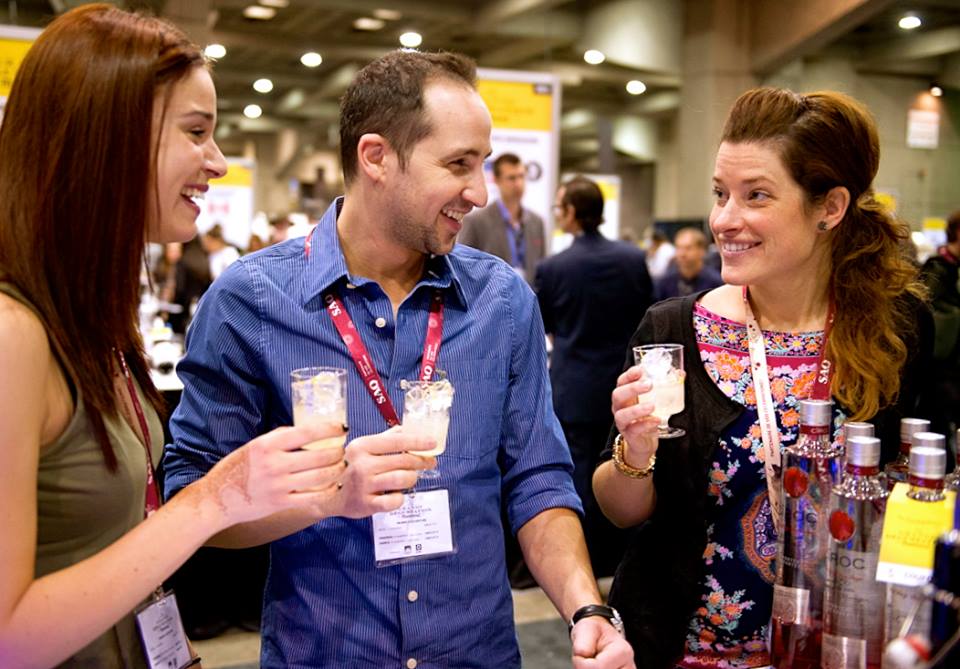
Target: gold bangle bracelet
(628, 470)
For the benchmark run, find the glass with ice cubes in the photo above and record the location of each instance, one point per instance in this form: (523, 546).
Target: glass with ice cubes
(426, 413)
(662, 364)
(319, 397)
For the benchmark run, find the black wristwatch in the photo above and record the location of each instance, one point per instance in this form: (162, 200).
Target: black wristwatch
(608, 612)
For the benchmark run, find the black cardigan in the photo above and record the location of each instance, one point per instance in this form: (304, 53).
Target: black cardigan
(658, 583)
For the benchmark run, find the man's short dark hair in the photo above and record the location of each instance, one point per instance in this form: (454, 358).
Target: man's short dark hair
(698, 237)
(386, 98)
(585, 197)
(953, 227)
(505, 159)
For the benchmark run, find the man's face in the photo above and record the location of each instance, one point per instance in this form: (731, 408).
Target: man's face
(443, 180)
(511, 182)
(689, 254)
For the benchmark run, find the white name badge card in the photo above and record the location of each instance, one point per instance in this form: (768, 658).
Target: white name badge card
(420, 528)
(161, 631)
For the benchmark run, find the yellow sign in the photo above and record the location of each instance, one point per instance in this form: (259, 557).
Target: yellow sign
(887, 201)
(934, 223)
(237, 175)
(12, 52)
(518, 105)
(910, 529)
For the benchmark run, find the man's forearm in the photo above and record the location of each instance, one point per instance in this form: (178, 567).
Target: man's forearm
(262, 531)
(556, 553)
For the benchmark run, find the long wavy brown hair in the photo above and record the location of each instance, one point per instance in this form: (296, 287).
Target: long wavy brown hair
(75, 182)
(825, 140)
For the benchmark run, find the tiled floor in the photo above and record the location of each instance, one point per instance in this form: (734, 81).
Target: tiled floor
(544, 643)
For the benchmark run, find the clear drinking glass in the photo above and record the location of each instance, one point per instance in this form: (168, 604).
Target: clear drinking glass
(426, 413)
(663, 366)
(319, 397)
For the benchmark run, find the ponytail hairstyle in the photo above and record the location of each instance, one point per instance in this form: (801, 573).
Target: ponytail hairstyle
(827, 140)
(77, 171)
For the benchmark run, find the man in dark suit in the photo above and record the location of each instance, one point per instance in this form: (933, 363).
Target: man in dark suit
(504, 228)
(592, 296)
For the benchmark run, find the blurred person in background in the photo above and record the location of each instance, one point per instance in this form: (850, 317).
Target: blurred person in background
(687, 273)
(660, 253)
(220, 254)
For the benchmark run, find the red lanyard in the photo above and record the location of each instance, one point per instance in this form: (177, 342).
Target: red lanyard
(152, 500)
(361, 358)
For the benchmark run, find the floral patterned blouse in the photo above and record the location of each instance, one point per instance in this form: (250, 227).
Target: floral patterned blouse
(730, 628)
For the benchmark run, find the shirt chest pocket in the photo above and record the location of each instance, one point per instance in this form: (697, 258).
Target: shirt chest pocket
(476, 416)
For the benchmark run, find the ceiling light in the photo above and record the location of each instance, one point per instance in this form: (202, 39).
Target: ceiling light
(311, 59)
(636, 87)
(936, 91)
(279, 4)
(367, 23)
(411, 40)
(594, 57)
(260, 13)
(263, 85)
(252, 111)
(387, 14)
(215, 51)
(909, 22)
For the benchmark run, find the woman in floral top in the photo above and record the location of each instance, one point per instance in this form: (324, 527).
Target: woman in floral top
(798, 228)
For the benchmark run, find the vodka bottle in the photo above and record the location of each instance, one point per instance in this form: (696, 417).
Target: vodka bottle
(853, 429)
(810, 471)
(927, 462)
(853, 601)
(952, 480)
(899, 469)
(946, 579)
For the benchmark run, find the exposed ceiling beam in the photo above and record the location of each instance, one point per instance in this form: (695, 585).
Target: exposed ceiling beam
(574, 74)
(294, 47)
(501, 12)
(914, 47)
(426, 8)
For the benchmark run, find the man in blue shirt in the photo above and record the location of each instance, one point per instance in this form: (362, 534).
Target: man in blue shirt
(414, 134)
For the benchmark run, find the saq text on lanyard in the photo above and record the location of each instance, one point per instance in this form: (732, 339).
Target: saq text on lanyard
(765, 407)
(361, 357)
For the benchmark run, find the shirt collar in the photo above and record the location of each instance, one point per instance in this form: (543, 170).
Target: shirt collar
(325, 265)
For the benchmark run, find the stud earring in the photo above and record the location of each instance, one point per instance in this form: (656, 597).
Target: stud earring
(822, 226)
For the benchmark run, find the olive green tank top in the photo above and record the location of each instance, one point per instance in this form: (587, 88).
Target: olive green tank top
(82, 507)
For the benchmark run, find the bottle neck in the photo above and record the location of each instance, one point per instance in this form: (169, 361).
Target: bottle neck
(925, 490)
(905, 449)
(857, 470)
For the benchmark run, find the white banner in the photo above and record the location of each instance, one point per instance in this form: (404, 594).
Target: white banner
(229, 203)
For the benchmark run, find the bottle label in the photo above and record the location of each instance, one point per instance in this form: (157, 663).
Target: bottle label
(791, 606)
(910, 530)
(843, 652)
(853, 599)
(902, 603)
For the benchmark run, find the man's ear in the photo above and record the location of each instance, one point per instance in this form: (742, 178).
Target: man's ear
(373, 151)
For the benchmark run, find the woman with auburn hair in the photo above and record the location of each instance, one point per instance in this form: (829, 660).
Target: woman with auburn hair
(801, 236)
(106, 142)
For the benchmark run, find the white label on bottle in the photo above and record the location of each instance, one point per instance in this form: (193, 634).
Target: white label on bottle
(902, 602)
(853, 597)
(842, 652)
(791, 606)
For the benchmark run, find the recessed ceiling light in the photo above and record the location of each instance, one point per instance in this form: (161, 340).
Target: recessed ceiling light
(936, 91)
(387, 14)
(367, 23)
(909, 22)
(215, 51)
(594, 57)
(636, 87)
(279, 4)
(260, 13)
(263, 85)
(252, 111)
(311, 59)
(411, 40)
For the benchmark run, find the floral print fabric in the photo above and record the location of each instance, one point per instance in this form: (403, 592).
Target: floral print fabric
(730, 628)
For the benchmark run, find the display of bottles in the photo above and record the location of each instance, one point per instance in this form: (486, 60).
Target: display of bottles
(927, 463)
(899, 469)
(854, 599)
(952, 480)
(810, 472)
(946, 578)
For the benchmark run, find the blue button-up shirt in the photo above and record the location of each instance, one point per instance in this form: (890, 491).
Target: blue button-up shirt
(326, 603)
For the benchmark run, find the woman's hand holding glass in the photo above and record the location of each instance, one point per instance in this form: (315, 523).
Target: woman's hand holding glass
(635, 420)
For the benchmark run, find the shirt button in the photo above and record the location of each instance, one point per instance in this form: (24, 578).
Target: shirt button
(380, 322)
(411, 664)
(412, 596)
(350, 286)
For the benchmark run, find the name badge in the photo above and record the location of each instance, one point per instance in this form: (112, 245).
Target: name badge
(420, 528)
(161, 633)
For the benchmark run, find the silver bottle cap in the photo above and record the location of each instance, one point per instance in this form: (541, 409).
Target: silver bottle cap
(857, 430)
(910, 426)
(927, 462)
(816, 412)
(863, 451)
